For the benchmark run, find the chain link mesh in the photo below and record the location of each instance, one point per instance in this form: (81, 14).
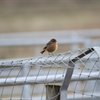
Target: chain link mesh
(41, 78)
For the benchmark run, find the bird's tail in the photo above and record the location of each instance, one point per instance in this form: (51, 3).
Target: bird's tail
(42, 51)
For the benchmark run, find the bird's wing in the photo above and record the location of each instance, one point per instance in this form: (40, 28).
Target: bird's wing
(49, 43)
(44, 47)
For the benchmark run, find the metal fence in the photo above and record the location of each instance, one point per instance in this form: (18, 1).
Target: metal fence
(87, 37)
(66, 76)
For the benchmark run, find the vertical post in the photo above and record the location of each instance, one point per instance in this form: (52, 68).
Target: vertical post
(52, 92)
(71, 64)
(97, 49)
(64, 87)
(26, 93)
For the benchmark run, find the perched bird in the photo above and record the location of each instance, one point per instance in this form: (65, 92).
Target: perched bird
(50, 47)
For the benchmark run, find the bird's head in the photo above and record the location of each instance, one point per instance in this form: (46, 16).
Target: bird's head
(53, 40)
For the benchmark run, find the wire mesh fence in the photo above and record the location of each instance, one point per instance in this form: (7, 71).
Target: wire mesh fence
(69, 75)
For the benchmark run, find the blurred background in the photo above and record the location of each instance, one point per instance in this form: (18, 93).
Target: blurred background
(25, 22)
(27, 25)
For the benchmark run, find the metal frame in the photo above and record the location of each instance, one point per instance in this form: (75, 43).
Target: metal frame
(69, 73)
(26, 63)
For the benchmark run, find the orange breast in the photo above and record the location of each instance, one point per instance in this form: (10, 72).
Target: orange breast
(52, 47)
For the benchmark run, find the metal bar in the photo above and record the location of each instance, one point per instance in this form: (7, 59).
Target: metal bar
(31, 80)
(97, 49)
(50, 79)
(26, 38)
(40, 61)
(64, 87)
(82, 55)
(26, 87)
(69, 73)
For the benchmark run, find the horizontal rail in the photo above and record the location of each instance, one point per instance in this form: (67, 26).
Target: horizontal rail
(51, 59)
(39, 63)
(46, 79)
(30, 38)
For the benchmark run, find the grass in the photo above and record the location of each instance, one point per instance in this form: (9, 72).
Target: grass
(21, 19)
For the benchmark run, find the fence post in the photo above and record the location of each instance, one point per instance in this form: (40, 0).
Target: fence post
(71, 64)
(52, 92)
(64, 87)
(26, 93)
(97, 49)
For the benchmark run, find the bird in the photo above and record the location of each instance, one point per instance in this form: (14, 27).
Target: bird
(50, 47)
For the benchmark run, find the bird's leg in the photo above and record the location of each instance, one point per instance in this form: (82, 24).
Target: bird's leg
(50, 54)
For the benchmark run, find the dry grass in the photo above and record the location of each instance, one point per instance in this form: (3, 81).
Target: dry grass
(49, 17)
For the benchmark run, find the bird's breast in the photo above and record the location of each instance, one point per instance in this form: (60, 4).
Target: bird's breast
(52, 47)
